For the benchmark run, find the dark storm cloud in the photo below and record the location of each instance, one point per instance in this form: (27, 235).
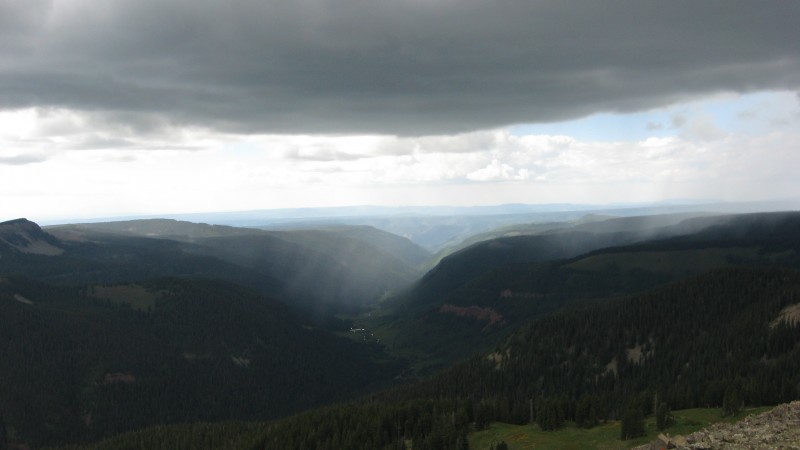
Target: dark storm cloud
(398, 67)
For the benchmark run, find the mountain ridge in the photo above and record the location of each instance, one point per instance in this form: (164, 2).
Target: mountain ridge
(323, 271)
(502, 277)
(25, 236)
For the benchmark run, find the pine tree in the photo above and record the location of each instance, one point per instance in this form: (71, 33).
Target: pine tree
(731, 402)
(483, 416)
(663, 416)
(501, 446)
(462, 443)
(632, 424)
(3, 434)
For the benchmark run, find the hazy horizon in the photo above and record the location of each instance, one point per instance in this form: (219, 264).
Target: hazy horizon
(136, 108)
(358, 214)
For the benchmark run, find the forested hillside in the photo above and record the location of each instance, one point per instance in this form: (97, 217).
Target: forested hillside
(648, 226)
(86, 362)
(724, 339)
(727, 336)
(322, 270)
(475, 298)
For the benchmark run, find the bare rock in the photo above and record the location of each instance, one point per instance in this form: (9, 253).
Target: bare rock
(776, 429)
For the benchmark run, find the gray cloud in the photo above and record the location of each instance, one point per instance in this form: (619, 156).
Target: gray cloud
(321, 154)
(20, 160)
(403, 67)
(678, 120)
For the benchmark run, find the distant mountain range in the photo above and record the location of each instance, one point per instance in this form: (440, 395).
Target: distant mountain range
(439, 227)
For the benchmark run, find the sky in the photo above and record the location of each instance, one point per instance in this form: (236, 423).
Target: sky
(126, 107)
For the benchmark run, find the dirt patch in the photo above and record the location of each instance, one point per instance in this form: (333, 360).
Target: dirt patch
(678, 262)
(137, 297)
(69, 235)
(41, 248)
(611, 367)
(509, 294)
(790, 315)
(476, 312)
(116, 378)
(634, 354)
(196, 357)
(241, 361)
(22, 299)
(26, 243)
(496, 358)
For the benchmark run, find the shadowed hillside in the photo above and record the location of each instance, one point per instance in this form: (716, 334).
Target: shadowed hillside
(87, 362)
(475, 297)
(342, 268)
(107, 258)
(720, 340)
(694, 343)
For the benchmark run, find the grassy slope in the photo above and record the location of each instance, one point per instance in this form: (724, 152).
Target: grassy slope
(235, 435)
(605, 436)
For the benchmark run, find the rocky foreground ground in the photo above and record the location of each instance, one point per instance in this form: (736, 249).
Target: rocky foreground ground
(778, 428)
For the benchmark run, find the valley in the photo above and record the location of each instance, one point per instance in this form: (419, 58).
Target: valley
(348, 336)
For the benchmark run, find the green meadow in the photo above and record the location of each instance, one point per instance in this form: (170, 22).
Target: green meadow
(604, 436)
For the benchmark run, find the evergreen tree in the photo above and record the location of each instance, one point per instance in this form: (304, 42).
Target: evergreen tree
(3, 434)
(462, 443)
(483, 416)
(632, 424)
(585, 412)
(551, 416)
(731, 402)
(500, 446)
(663, 416)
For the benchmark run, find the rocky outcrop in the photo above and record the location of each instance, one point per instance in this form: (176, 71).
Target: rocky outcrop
(778, 428)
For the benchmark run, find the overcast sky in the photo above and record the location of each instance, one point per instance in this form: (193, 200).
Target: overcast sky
(120, 107)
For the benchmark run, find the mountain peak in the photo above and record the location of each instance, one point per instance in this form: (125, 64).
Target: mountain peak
(27, 237)
(20, 221)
